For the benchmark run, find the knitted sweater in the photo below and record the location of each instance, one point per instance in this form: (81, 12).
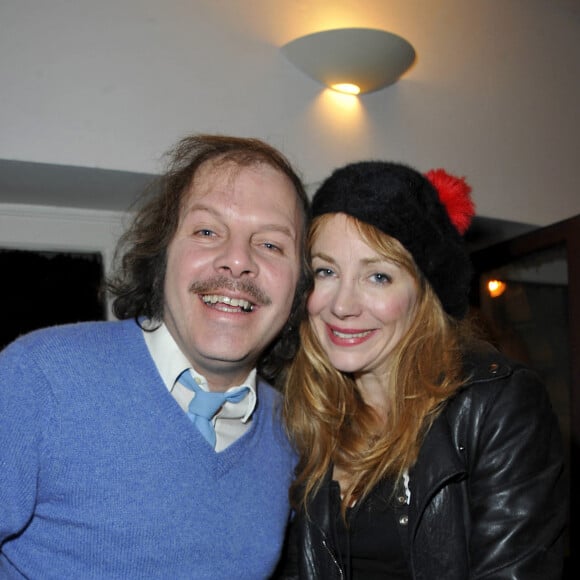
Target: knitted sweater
(103, 476)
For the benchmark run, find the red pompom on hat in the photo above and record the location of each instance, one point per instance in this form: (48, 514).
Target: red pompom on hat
(454, 195)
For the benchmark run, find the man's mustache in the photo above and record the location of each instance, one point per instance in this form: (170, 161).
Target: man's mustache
(247, 287)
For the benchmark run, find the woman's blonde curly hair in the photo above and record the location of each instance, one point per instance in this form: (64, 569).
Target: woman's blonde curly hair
(325, 414)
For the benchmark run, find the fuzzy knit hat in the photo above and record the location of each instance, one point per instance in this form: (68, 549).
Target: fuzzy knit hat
(427, 214)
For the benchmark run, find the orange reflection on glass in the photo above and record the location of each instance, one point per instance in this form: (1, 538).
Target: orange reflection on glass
(496, 288)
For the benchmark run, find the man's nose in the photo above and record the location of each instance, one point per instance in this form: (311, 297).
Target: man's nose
(237, 257)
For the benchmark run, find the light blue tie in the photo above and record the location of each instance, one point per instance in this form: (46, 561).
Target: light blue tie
(205, 404)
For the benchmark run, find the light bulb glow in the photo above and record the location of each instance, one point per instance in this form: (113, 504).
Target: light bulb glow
(496, 288)
(348, 88)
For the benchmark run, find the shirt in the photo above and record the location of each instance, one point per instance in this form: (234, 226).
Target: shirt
(233, 419)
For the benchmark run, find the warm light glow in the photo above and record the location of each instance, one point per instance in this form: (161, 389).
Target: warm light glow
(348, 88)
(496, 288)
(343, 102)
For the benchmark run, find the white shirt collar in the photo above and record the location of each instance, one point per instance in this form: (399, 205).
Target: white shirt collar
(171, 362)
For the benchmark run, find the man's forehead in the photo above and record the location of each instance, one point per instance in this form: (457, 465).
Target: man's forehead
(225, 170)
(220, 176)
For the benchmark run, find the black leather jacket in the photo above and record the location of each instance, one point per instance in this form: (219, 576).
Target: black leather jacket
(487, 493)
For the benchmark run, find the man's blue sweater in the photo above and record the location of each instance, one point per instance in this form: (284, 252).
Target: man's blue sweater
(103, 476)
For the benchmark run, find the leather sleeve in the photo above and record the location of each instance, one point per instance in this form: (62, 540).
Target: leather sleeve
(307, 553)
(287, 568)
(516, 484)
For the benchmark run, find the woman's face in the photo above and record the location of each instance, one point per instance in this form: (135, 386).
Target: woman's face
(362, 304)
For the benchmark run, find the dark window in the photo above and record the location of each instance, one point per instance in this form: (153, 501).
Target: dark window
(46, 288)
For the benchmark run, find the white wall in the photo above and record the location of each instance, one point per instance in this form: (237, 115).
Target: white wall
(112, 84)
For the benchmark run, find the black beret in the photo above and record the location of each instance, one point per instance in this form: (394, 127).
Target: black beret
(402, 203)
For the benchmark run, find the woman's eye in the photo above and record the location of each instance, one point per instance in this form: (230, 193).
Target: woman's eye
(204, 233)
(273, 247)
(381, 278)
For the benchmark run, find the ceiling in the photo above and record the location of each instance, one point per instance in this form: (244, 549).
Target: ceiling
(29, 183)
(94, 93)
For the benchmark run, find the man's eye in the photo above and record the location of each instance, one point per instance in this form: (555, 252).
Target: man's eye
(204, 233)
(323, 272)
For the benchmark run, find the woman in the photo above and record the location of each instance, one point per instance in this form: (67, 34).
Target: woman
(424, 454)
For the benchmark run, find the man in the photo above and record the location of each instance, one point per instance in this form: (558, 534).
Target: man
(109, 468)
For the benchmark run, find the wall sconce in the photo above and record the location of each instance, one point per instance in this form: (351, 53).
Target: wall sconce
(352, 60)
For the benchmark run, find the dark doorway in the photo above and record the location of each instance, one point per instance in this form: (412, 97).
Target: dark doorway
(46, 288)
(531, 311)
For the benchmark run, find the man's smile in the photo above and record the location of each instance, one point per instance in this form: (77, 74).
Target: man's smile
(227, 304)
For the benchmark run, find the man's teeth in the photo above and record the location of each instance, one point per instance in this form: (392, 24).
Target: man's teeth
(351, 334)
(235, 302)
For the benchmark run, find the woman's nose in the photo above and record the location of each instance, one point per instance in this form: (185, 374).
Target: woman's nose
(347, 300)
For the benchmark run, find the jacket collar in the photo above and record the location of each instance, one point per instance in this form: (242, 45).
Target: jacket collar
(439, 461)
